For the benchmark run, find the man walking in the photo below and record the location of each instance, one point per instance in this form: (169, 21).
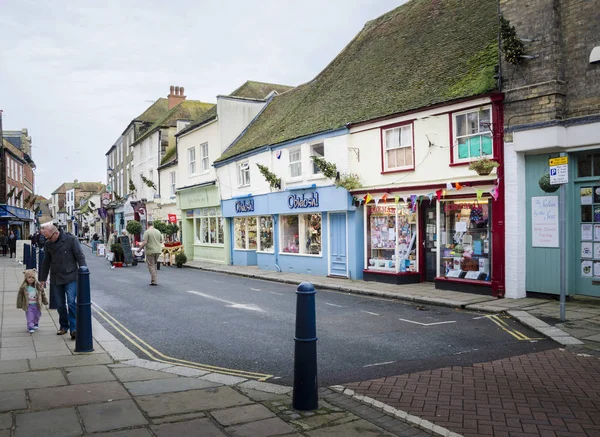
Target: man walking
(62, 259)
(153, 242)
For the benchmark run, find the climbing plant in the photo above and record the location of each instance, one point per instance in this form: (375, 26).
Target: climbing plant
(349, 181)
(270, 177)
(512, 46)
(148, 182)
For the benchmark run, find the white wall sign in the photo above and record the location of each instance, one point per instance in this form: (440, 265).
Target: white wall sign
(544, 221)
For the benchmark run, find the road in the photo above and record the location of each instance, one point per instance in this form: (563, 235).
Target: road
(245, 325)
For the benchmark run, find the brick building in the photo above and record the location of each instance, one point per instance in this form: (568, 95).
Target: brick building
(552, 108)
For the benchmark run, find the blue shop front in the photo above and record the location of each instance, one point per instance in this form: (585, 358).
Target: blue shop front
(311, 230)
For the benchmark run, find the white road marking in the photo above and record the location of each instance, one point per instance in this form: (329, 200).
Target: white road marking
(379, 364)
(274, 292)
(333, 305)
(241, 306)
(465, 352)
(428, 324)
(369, 312)
(482, 317)
(255, 289)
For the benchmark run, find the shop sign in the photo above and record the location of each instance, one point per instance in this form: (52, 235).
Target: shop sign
(12, 211)
(544, 221)
(304, 201)
(172, 218)
(244, 205)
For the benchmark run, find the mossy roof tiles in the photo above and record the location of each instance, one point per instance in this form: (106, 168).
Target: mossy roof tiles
(419, 54)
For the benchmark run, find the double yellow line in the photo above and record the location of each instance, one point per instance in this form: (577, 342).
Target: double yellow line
(504, 326)
(156, 355)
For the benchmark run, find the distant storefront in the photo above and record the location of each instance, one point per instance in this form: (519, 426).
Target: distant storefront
(18, 220)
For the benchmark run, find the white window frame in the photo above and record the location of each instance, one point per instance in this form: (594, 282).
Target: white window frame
(192, 161)
(204, 158)
(243, 173)
(395, 147)
(301, 234)
(481, 131)
(173, 182)
(295, 164)
(208, 215)
(314, 168)
(21, 173)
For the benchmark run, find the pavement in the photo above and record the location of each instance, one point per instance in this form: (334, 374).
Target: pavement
(48, 389)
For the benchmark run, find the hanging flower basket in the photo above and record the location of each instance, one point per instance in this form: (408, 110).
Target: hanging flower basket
(483, 166)
(545, 184)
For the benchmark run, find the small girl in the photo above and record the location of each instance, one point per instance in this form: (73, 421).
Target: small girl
(30, 298)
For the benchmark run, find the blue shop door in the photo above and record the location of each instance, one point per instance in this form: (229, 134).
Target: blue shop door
(337, 246)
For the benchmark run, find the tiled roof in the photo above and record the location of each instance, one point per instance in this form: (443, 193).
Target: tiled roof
(419, 54)
(154, 111)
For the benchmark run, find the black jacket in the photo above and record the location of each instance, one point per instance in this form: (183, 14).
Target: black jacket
(63, 257)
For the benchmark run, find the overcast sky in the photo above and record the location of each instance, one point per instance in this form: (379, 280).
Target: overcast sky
(75, 73)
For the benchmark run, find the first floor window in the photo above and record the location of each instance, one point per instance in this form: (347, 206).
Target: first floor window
(301, 234)
(245, 233)
(172, 180)
(398, 148)
(243, 173)
(265, 224)
(295, 162)
(472, 134)
(204, 156)
(192, 160)
(209, 226)
(317, 150)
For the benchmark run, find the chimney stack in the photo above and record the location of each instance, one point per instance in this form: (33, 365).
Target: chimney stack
(175, 96)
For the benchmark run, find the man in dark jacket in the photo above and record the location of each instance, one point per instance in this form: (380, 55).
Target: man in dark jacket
(63, 258)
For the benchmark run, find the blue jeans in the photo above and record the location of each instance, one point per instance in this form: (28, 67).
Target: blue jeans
(67, 294)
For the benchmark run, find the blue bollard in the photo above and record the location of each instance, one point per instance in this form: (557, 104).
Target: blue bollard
(83, 341)
(26, 255)
(305, 396)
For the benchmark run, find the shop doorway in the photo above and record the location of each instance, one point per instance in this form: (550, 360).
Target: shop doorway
(428, 240)
(337, 245)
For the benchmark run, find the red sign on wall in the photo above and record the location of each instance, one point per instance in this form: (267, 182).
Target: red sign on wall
(172, 218)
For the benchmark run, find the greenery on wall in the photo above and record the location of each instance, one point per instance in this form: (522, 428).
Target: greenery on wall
(131, 185)
(148, 182)
(349, 181)
(270, 177)
(512, 46)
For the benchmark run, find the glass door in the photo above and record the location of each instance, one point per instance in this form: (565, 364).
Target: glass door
(429, 243)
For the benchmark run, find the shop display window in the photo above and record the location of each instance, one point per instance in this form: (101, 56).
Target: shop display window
(301, 234)
(266, 233)
(589, 198)
(391, 238)
(209, 226)
(466, 240)
(245, 233)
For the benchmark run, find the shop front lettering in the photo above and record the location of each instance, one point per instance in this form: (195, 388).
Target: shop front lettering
(458, 206)
(303, 201)
(244, 205)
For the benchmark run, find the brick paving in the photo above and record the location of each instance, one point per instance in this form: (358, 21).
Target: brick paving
(555, 393)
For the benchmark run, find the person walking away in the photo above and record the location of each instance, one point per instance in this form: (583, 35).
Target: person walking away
(12, 244)
(62, 259)
(30, 298)
(3, 243)
(153, 240)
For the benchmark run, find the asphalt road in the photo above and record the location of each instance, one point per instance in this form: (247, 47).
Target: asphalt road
(248, 325)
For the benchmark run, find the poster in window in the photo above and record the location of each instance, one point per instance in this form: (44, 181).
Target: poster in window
(596, 251)
(596, 268)
(586, 249)
(544, 221)
(597, 213)
(585, 194)
(587, 232)
(586, 268)
(596, 232)
(596, 194)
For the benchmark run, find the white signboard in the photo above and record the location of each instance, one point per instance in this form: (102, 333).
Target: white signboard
(559, 174)
(544, 221)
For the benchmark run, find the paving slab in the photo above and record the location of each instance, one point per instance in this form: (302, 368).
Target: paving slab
(12, 400)
(224, 379)
(111, 415)
(167, 404)
(237, 415)
(4, 432)
(17, 353)
(14, 366)
(79, 394)
(359, 428)
(70, 361)
(157, 386)
(260, 396)
(261, 428)
(29, 380)
(177, 418)
(11, 342)
(152, 365)
(5, 421)
(138, 432)
(55, 353)
(192, 428)
(185, 371)
(130, 374)
(87, 374)
(62, 422)
(267, 387)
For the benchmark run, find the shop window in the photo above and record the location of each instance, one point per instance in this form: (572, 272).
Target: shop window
(398, 147)
(317, 150)
(295, 162)
(266, 234)
(301, 234)
(588, 165)
(589, 199)
(209, 226)
(391, 238)
(243, 171)
(465, 241)
(245, 233)
(472, 135)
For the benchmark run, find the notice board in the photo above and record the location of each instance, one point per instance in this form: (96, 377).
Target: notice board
(544, 221)
(127, 254)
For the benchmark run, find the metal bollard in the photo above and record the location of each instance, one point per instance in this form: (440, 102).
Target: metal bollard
(305, 396)
(26, 255)
(83, 341)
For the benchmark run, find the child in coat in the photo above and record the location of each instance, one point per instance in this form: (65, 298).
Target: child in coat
(30, 298)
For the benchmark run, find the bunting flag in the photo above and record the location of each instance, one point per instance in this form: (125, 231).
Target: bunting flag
(438, 194)
(405, 198)
(430, 195)
(479, 194)
(413, 201)
(458, 186)
(368, 198)
(396, 199)
(384, 197)
(494, 192)
(376, 199)
(449, 186)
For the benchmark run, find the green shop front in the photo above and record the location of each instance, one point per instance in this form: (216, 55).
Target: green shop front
(582, 204)
(203, 233)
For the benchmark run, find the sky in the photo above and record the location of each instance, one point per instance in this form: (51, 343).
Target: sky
(76, 72)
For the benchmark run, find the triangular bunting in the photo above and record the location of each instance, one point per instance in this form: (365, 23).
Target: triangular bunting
(368, 198)
(479, 194)
(438, 194)
(458, 186)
